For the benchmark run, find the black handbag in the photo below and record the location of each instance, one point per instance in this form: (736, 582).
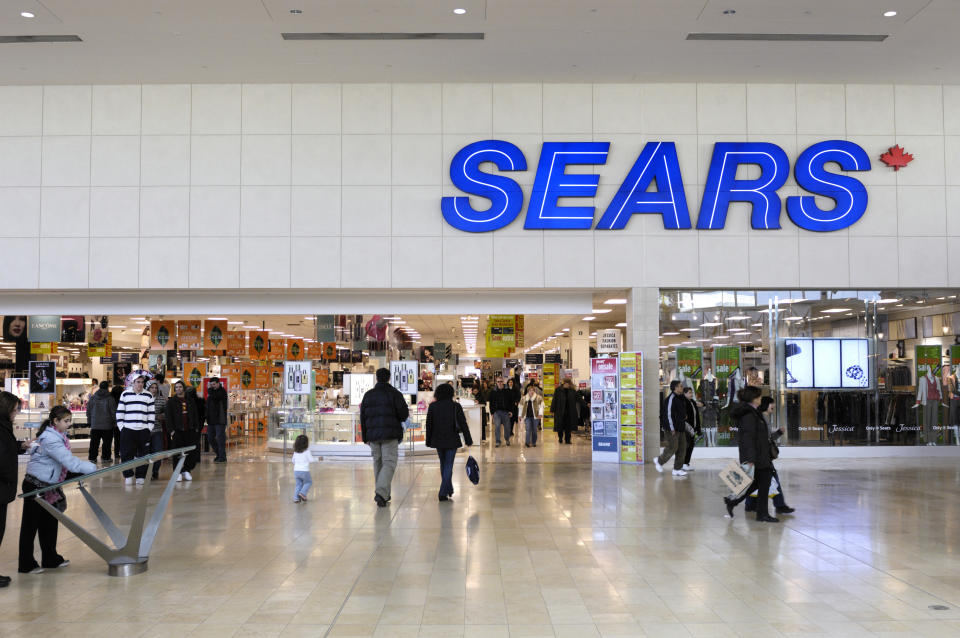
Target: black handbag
(774, 450)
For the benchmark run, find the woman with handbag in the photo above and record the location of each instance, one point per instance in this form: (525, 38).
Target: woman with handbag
(445, 423)
(755, 451)
(50, 460)
(779, 502)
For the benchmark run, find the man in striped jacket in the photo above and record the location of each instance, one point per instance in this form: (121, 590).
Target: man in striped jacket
(135, 418)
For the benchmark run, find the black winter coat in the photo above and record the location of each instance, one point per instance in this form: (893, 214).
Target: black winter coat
(754, 436)
(217, 406)
(444, 418)
(565, 408)
(673, 413)
(382, 413)
(502, 400)
(9, 449)
(174, 414)
(693, 415)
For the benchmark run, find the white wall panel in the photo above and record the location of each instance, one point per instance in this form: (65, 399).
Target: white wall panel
(346, 180)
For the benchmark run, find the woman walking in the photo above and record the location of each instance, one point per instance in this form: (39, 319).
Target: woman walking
(445, 423)
(531, 410)
(779, 502)
(9, 449)
(50, 460)
(755, 451)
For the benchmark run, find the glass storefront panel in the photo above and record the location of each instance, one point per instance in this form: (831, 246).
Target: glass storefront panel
(845, 367)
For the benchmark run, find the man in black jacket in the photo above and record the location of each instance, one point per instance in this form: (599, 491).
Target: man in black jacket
(566, 410)
(217, 419)
(502, 405)
(382, 413)
(183, 421)
(675, 425)
(693, 418)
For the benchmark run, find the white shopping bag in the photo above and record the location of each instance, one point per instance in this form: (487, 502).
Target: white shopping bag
(774, 488)
(737, 478)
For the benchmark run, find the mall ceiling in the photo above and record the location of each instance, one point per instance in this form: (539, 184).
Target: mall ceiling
(133, 41)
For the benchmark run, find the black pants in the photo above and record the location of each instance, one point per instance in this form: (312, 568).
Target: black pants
(217, 435)
(447, 456)
(762, 480)
(563, 433)
(483, 421)
(96, 437)
(691, 440)
(134, 444)
(157, 444)
(183, 439)
(3, 520)
(778, 501)
(37, 522)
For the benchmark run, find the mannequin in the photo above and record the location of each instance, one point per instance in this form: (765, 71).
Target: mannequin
(684, 381)
(929, 395)
(952, 391)
(711, 407)
(734, 385)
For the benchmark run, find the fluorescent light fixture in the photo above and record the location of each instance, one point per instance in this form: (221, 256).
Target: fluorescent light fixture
(600, 311)
(793, 318)
(615, 302)
(664, 347)
(886, 14)
(622, 324)
(590, 318)
(143, 323)
(566, 329)
(831, 311)
(557, 334)
(216, 318)
(890, 300)
(759, 324)
(670, 334)
(745, 342)
(689, 329)
(704, 340)
(117, 327)
(459, 11)
(235, 323)
(28, 14)
(711, 324)
(739, 318)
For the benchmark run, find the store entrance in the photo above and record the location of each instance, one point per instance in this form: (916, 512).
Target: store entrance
(287, 375)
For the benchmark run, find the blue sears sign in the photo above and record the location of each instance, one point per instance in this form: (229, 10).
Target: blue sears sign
(655, 186)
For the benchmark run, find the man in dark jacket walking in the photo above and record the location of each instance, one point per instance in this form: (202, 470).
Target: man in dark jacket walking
(217, 419)
(102, 417)
(382, 413)
(502, 406)
(755, 450)
(183, 421)
(674, 424)
(566, 410)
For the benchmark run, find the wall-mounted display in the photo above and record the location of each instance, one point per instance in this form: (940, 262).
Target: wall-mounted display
(827, 363)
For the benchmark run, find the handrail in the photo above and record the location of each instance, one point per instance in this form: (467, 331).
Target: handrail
(137, 462)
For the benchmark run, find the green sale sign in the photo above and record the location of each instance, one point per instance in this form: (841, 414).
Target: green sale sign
(690, 362)
(928, 358)
(726, 359)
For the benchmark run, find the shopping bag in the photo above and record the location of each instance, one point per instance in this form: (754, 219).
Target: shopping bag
(737, 478)
(473, 470)
(774, 488)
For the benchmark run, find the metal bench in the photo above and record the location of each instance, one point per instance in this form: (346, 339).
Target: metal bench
(132, 550)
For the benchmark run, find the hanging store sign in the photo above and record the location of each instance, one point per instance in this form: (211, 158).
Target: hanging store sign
(43, 328)
(326, 330)
(928, 359)
(189, 334)
(726, 361)
(162, 335)
(608, 340)
(236, 343)
(43, 377)
(655, 186)
(296, 351)
(690, 362)
(43, 348)
(194, 373)
(214, 336)
(259, 344)
(296, 378)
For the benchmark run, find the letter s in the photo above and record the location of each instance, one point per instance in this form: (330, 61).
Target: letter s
(505, 195)
(849, 194)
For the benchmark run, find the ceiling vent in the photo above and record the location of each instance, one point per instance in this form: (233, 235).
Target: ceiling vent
(383, 36)
(26, 39)
(788, 37)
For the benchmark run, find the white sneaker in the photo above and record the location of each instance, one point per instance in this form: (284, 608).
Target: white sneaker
(687, 468)
(679, 473)
(139, 481)
(179, 477)
(186, 476)
(128, 480)
(656, 464)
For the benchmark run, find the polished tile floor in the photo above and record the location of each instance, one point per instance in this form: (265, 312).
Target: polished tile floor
(546, 545)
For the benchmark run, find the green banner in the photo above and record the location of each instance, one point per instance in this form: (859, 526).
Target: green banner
(325, 328)
(726, 359)
(928, 358)
(690, 362)
(954, 358)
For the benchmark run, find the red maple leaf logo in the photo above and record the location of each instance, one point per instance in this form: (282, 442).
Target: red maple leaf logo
(896, 157)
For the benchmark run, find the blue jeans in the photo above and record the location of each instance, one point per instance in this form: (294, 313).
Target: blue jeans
(303, 483)
(447, 455)
(502, 418)
(531, 424)
(217, 435)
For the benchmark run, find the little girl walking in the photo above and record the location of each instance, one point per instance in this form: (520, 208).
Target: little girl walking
(302, 458)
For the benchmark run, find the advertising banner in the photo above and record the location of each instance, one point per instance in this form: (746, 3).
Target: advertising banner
(189, 334)
(726, 360)
(233, 374)
(533, 359)
(236, 344)
(551, 377)
(97, 330)
(440, 351)
(631, 407)
(329, 351)
(928, 358)
(194, 372)
(955, 358)
(263, 377)
(214, 335)
(604, 404)
(322, 377)
(43, 348)
(296, 378)
(259, 344)
(314, 351)
(326, 330)
(690, 362)
(248, 375)
(97, 350)
(427, 354)
(43, 328)
(296, 350)
(163, 334)
(276, 349)
(72, 329)
(43, 377)
(553, 357)
(501, 335)
(403, 376)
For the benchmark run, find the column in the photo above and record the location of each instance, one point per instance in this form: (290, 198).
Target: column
(643, 332)
(580, 349)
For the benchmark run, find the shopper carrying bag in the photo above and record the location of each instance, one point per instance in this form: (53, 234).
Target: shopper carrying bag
(445, 424)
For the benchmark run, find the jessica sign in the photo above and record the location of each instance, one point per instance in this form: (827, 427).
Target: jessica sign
(655, 186)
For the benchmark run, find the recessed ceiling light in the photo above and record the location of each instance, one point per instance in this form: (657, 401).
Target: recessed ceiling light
(459, 12)
(889, 14)
(615, 302)
(27, 14)
(793, 318)
(600, 311)
(689, 329)
(589, 318)
(738, 318)
(622, 324)
(710, 324)
(831, 311)
(216, 318)
(670, 334)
